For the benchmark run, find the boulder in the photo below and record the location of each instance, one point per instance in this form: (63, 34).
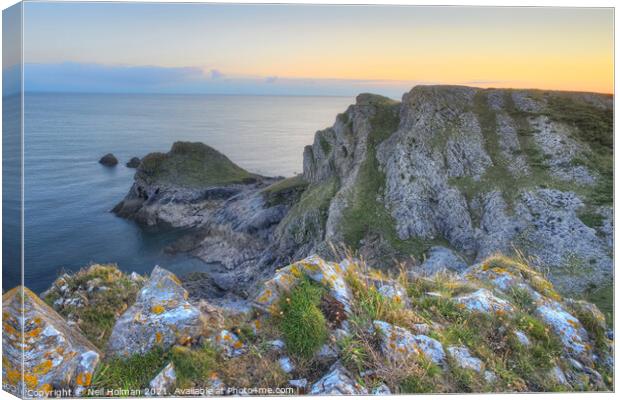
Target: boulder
(161, 316)
(133, 163)
(314, 267)
(463, 358)
(568, 328)
(483, 300)
(399, 344)
(439, 259)
(109, 160)
(164, 382)
(51, 353)
(337, 381)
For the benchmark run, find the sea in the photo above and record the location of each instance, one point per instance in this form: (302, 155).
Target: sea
(68, 195)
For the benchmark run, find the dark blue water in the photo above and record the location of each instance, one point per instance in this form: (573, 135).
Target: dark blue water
(68, 195)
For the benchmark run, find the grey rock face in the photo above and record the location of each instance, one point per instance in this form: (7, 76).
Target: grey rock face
(439, 259)
(398, 343)
(464, 359)
(40, 350)
(337, 381)
(161, 316)
(476, 171)
(164, 382)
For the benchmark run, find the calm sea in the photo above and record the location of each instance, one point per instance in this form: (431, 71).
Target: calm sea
(68, 195)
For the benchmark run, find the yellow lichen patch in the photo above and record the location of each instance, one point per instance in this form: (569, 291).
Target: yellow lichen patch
(46, 388)
(31, 381)
(8, 328)
(13, 376)
(83, 378)
(33, 332)
(43, 368)
(296, 272)
(175, 279)
(158, 309)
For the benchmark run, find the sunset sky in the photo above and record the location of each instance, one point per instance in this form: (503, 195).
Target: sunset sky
(296, 49)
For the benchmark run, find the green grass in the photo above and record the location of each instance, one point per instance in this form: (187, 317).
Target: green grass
(286, 191)
(325, 146)
(97, 320)
(594, 128)
(302, 324)
(603, 297)
(365, 214)
(132, 373)
(306, 219)
(193, 366)
(193, 165)
(591, 219)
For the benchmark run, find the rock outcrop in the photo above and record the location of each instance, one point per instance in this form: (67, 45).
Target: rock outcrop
(449, 175)
(478, 171)
(41, 352)
(499, 325)
(109, 160)
(160, 317)
(134, 162)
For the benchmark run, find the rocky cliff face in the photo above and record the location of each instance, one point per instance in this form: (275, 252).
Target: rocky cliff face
(448, 176)
(476, 172)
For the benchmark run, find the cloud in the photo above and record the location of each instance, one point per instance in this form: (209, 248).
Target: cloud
(99, 78)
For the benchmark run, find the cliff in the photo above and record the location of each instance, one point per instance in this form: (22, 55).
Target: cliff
(445, 178)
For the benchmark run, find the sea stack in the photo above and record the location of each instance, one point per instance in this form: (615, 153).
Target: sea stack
(109, 160)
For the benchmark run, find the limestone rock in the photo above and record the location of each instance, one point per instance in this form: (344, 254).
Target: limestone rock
(161, 316)
(109, 160)
(53, 354)
(329, 274)
(286, 365)
(337, 381)
(483, 300)
(568, 328)
(464, 359)
(399, 343)
(164, 382)
(438, 259)
(300, 384)
(229, 343)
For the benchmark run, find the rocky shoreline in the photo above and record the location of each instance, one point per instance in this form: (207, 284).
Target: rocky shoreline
(411, 250)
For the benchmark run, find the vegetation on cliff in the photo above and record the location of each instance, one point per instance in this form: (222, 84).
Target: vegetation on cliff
(192, 165)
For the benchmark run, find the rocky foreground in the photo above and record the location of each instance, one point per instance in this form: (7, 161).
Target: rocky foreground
(316, 327)
(445, 178)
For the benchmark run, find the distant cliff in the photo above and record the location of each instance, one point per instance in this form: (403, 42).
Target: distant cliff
(448, 176)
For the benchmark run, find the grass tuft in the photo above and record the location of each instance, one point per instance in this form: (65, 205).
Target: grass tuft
(302, 324)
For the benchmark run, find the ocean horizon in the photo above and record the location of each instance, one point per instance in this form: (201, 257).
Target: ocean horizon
(69, 195)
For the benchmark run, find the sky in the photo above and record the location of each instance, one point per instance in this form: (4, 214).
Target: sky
(312, 50)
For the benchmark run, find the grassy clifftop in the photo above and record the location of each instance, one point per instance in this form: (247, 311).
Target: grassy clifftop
(192, 165)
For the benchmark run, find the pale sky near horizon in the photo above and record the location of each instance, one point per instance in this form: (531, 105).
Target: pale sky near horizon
(202, 47)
